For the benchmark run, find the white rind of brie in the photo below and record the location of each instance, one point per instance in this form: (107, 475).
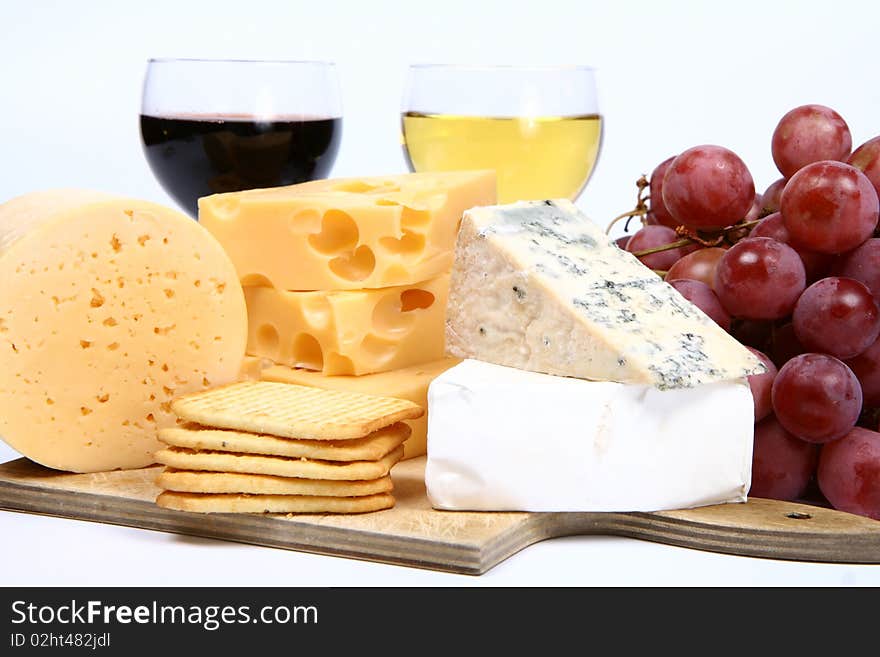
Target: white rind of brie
(502, 439)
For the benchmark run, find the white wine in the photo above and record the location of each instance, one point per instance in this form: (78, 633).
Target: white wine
(534, 157)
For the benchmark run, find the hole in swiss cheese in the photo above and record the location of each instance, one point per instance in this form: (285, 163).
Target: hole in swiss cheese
(415, 299)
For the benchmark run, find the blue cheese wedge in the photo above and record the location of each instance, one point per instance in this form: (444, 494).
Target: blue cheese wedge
(537, 286)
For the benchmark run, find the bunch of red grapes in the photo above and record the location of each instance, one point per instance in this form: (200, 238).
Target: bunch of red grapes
(800, 288)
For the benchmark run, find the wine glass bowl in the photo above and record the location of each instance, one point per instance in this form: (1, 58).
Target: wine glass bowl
(211, 126)
(539, 128)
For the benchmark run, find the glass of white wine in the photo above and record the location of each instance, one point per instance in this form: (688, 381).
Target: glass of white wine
(538, 127)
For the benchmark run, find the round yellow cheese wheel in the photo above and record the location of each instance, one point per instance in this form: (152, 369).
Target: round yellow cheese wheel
(109, 309)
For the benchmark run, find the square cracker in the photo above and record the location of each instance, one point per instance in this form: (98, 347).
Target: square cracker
(187, 481)
(293, 411)
(281, 466)
(202, 503)
(369, 448)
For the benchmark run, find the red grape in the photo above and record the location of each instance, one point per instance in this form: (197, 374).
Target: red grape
(866, 158)
(752, 333)
(862, 264)
(753, 214)
(650, 220)
(782, 465)
(816, 265)
(698, 266)
(849, 473)
(651, 237)
(756, 209)
(759, 278)
(702, 296)
(772, 226)
(829, 207)
(761, 384)
(658, 208)
(708, 187)
(807, 134)
(816, 397)
(771, 196)
(837, 316)
(866, 367)
(622, 240)
(785, 345)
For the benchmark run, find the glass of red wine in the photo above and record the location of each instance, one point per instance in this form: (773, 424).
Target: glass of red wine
(212, 126)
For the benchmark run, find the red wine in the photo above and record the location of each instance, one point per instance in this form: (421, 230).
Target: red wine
(197, 155)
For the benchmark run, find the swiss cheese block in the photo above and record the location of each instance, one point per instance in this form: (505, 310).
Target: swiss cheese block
(410, 383)
(538, 286)
(109, 308)
(503, 439)
(346, 234)
(251, 367)
(348, 331)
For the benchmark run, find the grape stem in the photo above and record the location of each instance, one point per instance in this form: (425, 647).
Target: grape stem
(640, 210)
(626, 215)
(692, 237)
(688, 235)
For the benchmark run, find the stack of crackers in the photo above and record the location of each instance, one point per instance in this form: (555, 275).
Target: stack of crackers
(264, 447)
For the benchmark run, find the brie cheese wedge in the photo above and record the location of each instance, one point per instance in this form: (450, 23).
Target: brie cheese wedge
(504, 439)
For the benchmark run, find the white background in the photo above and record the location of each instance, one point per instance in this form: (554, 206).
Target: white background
(671, 75)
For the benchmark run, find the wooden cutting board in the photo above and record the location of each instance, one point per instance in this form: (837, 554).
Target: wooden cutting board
(414, 534)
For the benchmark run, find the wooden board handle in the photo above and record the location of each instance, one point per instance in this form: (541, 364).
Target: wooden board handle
(759, 528)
